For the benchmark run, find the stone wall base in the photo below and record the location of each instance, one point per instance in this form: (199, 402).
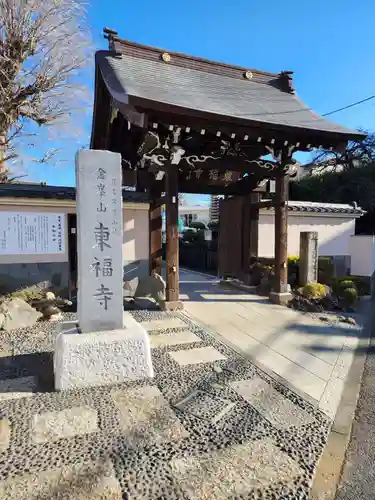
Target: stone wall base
(101, 358)
(280, 298)
(173, 305)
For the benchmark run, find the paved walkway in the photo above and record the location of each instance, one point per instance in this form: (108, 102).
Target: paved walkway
(208, 426)
(313, 357)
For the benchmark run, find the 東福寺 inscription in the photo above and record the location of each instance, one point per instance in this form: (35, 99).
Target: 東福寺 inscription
(100, 267)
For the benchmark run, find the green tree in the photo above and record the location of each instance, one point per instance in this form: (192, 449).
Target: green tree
(347, 177)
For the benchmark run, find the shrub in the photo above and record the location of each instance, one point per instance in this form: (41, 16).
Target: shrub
(293, 260)
(326, 270)
(362, 284)
(349, 296)
(314, 291)
(345, 283)
(197, 225)
(293, 270)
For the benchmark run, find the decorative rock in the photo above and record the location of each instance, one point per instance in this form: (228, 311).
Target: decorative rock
(326, 319)
(350, 321)
(50, 310)
(50, 296)
(18, 314)
(151, 286)
(2, 319)
(63, 303)
(55, 317)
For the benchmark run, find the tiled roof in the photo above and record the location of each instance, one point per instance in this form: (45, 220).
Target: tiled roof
(210, 87)
(61, 193)
(337, 208)
(329, 208)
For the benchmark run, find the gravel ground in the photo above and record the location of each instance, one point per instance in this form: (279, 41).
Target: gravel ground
(212, 430)
(358, 480)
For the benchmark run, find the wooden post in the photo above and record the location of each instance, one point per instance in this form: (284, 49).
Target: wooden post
(155, 232)
(171, 200)
(281, 233)
(254, 225)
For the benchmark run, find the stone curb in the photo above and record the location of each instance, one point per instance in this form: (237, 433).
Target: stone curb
(330, 466)
(238, 286)
(207, 275)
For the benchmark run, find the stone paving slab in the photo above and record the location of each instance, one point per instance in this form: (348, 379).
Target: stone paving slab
(94, 482)
(235, 470)
(250, 436)
(146, 417)
(197, 355)
(22, 387)
(156, 324)
(5, 430)
(281, 412)
(179, 338)
(54, 425)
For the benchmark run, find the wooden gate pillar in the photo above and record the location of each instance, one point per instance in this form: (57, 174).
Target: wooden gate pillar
(155, 232)
(254, 225)
(172, 267)
(280, 294)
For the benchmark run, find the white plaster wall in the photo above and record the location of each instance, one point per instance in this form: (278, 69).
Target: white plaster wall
(334, 233)
(362, 255)
(135, 237)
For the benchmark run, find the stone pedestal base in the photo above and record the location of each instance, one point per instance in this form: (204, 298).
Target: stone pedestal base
(101, 358)
(280, 298)
(174, 305)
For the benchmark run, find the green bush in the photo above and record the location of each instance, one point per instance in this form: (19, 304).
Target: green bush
(314, 291)
(349, 296)
(346, 283)
(293, 266)
(197, 225)
(326, 270)
(293, 260)
(362, 284)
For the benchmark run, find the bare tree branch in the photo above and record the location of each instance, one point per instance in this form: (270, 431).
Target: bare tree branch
(44, 45)
(357, 154)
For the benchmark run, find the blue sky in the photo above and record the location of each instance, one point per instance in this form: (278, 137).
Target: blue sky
(329, 44)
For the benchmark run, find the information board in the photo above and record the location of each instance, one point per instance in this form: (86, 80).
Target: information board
(31, 233)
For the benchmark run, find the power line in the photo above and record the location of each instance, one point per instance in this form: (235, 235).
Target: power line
(350, 105)
(301, 110)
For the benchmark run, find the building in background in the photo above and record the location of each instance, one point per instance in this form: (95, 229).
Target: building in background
(194, 213)
(181, 199)
(214, 208)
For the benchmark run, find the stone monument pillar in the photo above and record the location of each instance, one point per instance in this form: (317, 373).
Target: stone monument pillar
(106, 346)
(308, 257)
(99, 241)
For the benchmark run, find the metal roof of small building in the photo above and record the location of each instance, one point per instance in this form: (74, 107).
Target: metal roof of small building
(24, 190)
(134, 70)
